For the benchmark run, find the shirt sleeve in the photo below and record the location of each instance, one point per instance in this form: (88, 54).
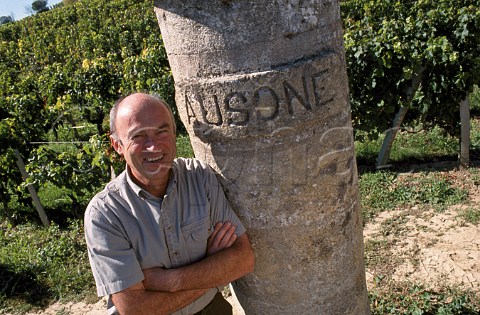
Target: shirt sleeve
(221, 211)
(113, 261)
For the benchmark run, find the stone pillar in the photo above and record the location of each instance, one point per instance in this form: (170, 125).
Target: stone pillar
(261, 87)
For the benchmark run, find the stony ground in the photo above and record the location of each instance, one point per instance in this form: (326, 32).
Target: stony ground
(417, 244)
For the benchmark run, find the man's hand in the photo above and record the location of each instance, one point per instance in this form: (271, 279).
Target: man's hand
(223, 236)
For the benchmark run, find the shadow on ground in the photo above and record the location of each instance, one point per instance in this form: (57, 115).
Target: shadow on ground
(23, 285)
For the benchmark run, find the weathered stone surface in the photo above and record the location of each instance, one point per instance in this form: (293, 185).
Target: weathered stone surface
(261, 87)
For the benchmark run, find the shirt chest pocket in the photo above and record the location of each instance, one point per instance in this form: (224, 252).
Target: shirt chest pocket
(195, 235)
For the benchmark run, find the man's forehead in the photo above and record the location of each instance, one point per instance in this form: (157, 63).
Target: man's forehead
(133, 111)
(138, 103)
(144, 129)
(137, 111)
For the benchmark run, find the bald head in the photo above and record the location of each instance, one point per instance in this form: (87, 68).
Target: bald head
(136, 102)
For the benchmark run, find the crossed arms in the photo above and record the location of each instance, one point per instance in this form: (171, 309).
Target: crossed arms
(164, 291)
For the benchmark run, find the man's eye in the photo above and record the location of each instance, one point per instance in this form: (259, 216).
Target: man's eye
(136, 137)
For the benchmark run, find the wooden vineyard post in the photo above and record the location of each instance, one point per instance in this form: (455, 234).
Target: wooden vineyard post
(31, 190)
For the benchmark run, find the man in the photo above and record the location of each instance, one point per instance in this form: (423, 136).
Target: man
(161, 237)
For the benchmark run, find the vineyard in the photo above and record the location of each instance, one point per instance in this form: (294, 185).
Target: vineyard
(419, 55)
(61, 70)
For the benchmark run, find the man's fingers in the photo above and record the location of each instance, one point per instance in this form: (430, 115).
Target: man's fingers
(232, 240)
(227, 235)
(223, 236)
(212, 242)
(212, 236)
(224, 228)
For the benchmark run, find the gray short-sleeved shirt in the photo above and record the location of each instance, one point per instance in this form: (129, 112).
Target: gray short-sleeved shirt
(128, 230)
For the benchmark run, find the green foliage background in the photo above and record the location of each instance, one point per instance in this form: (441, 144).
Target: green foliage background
(60, 72)
(389, 43)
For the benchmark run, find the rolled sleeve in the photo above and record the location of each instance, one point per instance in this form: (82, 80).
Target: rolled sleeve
(114, 264)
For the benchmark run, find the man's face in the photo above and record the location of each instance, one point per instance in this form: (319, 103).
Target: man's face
(147, 139)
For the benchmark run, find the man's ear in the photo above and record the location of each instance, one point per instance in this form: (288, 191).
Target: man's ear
(116, 144)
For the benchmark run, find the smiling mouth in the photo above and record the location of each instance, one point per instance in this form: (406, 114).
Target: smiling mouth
(155, 159)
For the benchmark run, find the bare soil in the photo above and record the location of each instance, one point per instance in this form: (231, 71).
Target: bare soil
(416, 244)
(99, 308)
(426, 246)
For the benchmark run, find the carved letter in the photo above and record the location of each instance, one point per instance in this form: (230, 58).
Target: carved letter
(218, 114)
(319, 88)
(190, 111)
(238, 116)
(290, 94)
(266, 103)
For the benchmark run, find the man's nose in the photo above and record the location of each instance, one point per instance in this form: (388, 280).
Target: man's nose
(150, 142)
